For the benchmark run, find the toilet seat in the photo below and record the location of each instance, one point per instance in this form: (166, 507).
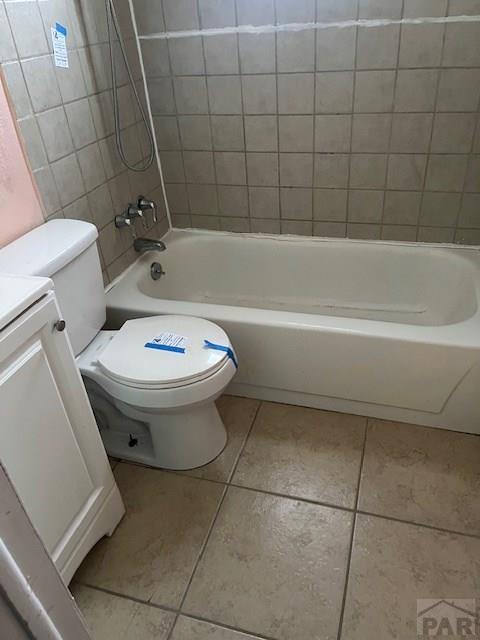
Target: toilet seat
(172, 389)
(163, 352)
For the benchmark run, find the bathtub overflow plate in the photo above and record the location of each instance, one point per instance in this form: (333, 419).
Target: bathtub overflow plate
(156, 271)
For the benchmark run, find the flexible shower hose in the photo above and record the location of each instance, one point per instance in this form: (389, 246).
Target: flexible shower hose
(113, 27)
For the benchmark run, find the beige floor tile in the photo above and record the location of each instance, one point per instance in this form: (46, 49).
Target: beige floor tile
(304, 453)
(392, 565)
(153, 551)
(190, 629)
(238, 415)
(273, 566)
(112, 618)
(428, 476)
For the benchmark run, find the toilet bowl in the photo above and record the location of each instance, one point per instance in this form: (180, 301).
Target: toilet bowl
(153, 383)
(155, 403)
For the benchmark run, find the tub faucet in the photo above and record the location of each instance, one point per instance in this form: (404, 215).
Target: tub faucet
(143, 245)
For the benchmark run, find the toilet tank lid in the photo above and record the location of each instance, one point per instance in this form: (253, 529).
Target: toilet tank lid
(47, 248)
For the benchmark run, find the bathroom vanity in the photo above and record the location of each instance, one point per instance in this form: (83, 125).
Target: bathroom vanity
(51, 448)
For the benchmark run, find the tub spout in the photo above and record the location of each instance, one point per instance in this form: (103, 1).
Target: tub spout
(144, 244)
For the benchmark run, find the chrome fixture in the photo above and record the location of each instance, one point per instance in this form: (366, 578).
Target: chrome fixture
(142, 245)
(156, 271)
(127, 218)
(134, 212)
(144, 204)
(123, 221)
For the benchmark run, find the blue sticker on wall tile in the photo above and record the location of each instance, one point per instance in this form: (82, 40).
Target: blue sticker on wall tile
(59, 44)
(61, 29)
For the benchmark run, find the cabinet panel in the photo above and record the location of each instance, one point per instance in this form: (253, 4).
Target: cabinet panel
(41, 453)
(50, 444)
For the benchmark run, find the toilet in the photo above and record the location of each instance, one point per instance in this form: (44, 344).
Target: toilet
(153, 383)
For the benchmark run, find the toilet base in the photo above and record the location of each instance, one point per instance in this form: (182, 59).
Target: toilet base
(180, 439)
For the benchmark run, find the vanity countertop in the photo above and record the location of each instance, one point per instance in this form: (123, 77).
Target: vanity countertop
(17, 293)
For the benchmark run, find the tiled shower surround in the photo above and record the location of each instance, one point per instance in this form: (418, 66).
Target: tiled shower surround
(65, 117)
(365, 132)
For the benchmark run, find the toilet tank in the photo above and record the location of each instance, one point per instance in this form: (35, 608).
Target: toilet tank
(66, 252)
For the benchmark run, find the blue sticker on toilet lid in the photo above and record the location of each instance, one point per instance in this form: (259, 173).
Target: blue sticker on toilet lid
(168, 341)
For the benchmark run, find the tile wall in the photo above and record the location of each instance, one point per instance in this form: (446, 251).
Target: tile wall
(359, 132)
(65, 117)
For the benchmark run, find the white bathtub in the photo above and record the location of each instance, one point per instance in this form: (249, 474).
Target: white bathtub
(390, 330)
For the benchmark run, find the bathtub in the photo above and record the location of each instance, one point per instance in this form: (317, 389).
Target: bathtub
(389, 330)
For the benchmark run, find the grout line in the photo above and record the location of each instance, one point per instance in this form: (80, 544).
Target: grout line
(221, 625)
(244, 444)
(352, 122)
(200, 556)
(167, 609)
(278, 186)
(389, 153)
(352, 536)
(362, 460)
(214, 520)
(308, 26)
(241, 75)
(118, 594)
(210, 530)
(354, 153)
(287, 496)
(155, 76)
(181, 151)
(314, 150)
(209, 116)
(428, 155)
(303, 113)
(453, 532)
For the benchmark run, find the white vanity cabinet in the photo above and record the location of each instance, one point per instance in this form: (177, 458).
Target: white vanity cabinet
(50, 445)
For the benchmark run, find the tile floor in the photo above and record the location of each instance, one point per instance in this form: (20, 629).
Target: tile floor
(310, 526)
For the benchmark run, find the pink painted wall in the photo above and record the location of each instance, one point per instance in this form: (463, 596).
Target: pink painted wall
(16, 183)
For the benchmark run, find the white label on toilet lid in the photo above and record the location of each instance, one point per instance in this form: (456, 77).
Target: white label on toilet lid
(168, 341)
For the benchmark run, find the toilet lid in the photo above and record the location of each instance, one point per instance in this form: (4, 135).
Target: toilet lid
(164, 351)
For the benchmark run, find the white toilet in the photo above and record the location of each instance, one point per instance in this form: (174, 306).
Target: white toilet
(153, 383)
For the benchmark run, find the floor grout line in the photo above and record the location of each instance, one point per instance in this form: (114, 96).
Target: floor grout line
(199, 558)
(229, 627)
(432, 527)
(212, 525)
(118, 594)
(244, 444)
(352, 535)
(286, 496)
(177, 612)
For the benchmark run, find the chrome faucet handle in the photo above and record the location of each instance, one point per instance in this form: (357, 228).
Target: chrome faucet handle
(133, 212)
(122, 221)
(147, 205)
(125, 221)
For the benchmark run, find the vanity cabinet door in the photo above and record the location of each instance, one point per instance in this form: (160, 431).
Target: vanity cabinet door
(50, 445)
